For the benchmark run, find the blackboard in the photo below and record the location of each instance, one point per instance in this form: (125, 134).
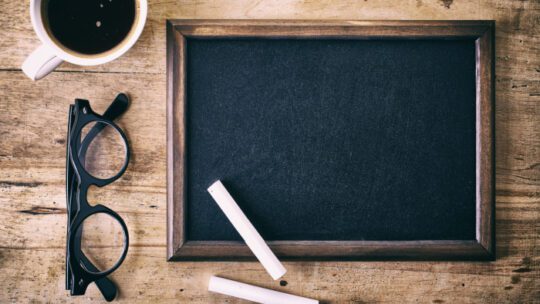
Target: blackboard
(331, 140)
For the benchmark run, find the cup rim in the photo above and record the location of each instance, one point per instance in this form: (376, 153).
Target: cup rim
(39, 28)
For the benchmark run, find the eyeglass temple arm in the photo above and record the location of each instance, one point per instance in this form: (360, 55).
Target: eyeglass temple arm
(118, 107)
(69, 193)
(105, 285)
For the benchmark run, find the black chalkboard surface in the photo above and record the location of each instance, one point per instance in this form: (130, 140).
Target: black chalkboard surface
(334, 139)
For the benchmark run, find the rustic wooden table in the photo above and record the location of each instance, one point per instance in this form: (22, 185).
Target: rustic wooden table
(32, 158)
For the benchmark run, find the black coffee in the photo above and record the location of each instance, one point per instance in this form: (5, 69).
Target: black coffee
(90, 26)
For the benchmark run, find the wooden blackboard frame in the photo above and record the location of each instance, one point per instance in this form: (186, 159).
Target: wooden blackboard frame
(180, 248)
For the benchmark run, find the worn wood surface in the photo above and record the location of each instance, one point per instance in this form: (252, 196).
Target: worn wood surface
(32, 142)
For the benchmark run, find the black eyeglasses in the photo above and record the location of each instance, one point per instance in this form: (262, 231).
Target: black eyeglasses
(97, 154)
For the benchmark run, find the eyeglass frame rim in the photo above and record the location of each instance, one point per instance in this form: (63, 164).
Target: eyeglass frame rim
(79, 124)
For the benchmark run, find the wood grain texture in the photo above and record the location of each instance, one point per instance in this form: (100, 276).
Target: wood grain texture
(485, 142)
(32, 150)
(181, 248)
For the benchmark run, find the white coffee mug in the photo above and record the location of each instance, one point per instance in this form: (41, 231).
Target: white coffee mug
(51, 53)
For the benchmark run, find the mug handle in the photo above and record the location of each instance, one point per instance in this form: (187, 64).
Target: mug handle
(41, 62)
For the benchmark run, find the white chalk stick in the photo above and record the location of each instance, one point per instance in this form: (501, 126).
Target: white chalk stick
(254, 293)
(250, 235)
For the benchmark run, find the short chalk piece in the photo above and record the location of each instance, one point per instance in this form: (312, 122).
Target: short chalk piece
(254, 293)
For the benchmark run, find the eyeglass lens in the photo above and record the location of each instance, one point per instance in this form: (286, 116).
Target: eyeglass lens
(102, 240)
(103, 150)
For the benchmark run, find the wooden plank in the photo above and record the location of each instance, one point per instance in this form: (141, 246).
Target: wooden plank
(146, 277)
(148, 54)
(33, 125)
(33, 122)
